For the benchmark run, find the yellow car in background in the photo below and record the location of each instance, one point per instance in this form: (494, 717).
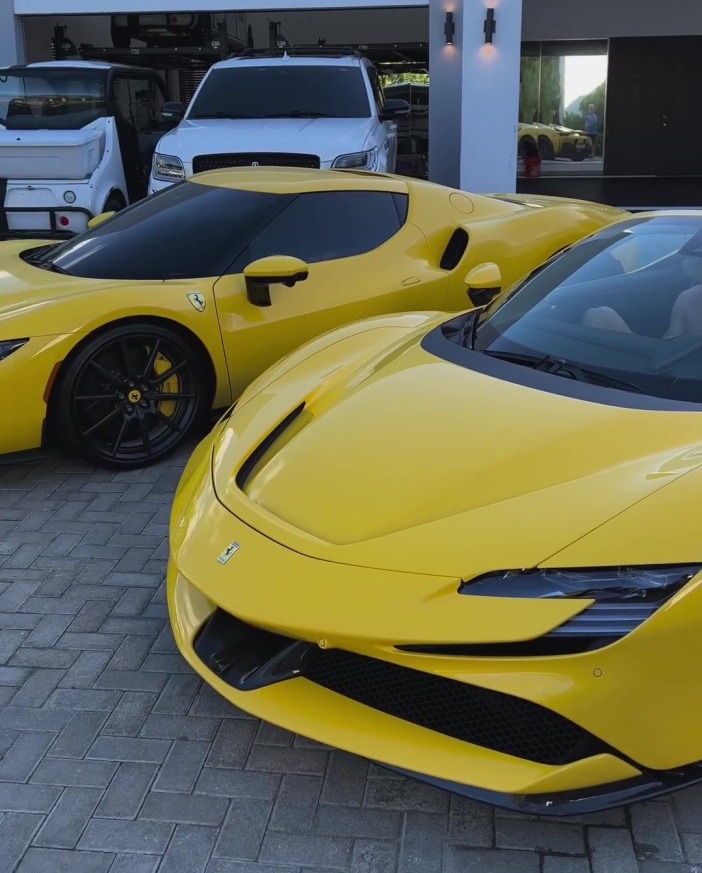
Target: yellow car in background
(120, 342)
(468, 547)
(554, 141)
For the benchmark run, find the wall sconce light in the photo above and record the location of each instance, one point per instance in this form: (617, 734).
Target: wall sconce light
(489, 27)
(449, 28)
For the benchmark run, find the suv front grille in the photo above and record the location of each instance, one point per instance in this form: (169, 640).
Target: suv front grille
(253, 159)
(491, 719)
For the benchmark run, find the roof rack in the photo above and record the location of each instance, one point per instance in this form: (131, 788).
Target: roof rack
(335, 51)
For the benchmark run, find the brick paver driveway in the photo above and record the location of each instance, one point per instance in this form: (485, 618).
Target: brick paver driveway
(115, 757)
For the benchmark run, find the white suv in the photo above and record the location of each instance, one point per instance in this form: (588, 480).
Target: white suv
(273, 109)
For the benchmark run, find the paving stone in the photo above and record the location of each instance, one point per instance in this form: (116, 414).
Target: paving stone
(560, 864)
(23, 718)
(233, 743)
(287, 760)
(86, 699)
(78, 735)
(345, 779)
(182, 767)
(612, 849)
(58, 861)
(374, 856)
(692, 847)
(307, 850)
(16, 832)
(190, 850)
(178, 694)
(545, 836)
(184, 809)
(470, 823)
(137, 837)
(463, 860)
(295, 806)
(405, 794)
(37, 689)
(244, 828)
(178, 727)
(24, 755)
(238, 783)
(80, 774)
(422, 843)
(135, 864)
(221, 865)
(128, 716)
(130, 654)
(655, 836)
(127, 790)
(27, 798)
(383, 824)
(85, 670)
(68, 819)
(134, 749)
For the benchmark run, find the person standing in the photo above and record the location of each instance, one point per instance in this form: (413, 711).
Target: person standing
(592, 125)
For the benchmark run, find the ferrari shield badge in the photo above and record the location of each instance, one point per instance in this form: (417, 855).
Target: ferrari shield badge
(231, 550)
(197, 300)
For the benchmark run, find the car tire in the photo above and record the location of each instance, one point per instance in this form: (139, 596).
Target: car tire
(114, 203)
(546, 150)
(131, 395)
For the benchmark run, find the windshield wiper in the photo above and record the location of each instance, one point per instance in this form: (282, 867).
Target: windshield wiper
(51, 265)
(561, 367)
(466, 335)
(300, 113)
(224, 115)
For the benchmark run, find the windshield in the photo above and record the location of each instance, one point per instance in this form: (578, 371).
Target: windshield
(51, 98)
(315, 91)
(624, 305)
(187, 231)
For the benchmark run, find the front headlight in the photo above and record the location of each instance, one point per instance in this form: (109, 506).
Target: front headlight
(603, 584)
(7, 347)
(357, 161)
(168, 168)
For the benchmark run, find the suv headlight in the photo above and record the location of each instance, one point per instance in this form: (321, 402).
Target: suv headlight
(7, 347)
(168, 168)
(357, 161)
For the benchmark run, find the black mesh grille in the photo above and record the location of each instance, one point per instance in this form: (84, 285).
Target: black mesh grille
(248, 159)
(466, 712)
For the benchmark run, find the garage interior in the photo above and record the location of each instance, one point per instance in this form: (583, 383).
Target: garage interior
(643, 157)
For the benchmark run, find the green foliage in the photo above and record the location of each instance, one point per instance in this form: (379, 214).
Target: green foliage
(403, 78)
(540, 89)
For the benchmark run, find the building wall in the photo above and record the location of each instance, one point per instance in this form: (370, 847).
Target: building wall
(11, 48)
(600, 19)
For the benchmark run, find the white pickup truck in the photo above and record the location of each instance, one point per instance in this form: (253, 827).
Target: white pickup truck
(272, 108)
(76, 139)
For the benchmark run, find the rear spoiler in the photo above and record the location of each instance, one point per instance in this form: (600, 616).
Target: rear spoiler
(54, 232)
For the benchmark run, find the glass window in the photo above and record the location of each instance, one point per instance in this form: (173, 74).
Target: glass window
(51, 98)
(562, 104)
(323, 226)
(139, 102)
(187, 231)
(626, 304)
(283, 91)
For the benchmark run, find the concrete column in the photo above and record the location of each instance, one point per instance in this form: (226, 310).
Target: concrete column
(474, 95)
(11, 41)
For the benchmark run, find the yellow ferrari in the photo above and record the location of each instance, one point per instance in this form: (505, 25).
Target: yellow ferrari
(120, 341)
(468, 546)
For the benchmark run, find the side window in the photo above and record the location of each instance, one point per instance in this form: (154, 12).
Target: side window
(324, 226)
(147, 101)
(122, 97)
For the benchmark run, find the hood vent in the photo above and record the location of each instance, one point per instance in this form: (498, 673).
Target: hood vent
(253, 459)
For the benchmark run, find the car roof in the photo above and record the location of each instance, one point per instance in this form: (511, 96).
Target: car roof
(292, 61)
(279, 180)
(77, 65)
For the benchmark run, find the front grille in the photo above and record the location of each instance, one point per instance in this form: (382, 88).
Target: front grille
(476, 715)
(248, 159)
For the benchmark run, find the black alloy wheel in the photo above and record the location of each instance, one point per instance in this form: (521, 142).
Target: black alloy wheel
(131, 396)
(546, 150)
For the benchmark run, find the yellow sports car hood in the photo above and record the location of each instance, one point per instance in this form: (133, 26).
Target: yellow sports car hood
(421, 465)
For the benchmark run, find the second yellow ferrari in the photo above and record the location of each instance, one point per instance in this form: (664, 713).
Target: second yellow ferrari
(120, 341)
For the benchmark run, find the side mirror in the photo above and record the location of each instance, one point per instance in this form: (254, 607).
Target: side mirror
(172, 112)
(394, 108)
(484, 283)
(274, 270)
(98, 219)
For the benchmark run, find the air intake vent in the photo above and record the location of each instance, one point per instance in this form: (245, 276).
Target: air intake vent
(250, 463)
(455, 249)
